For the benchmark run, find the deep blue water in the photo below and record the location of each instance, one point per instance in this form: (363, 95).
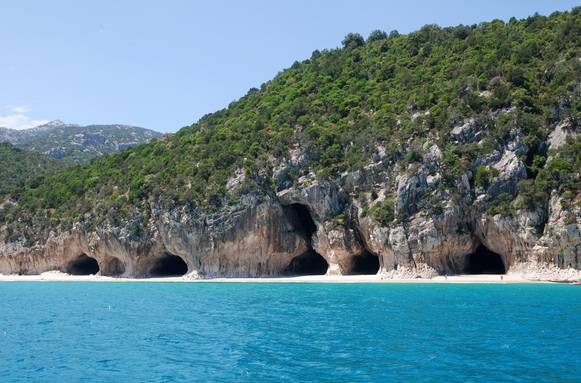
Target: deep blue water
(165, 332)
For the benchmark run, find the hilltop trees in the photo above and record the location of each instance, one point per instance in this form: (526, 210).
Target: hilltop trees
(376, 35)
(353, 40)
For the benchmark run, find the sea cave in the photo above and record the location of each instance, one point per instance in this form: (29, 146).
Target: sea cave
(309, 263)
(168, 265)
(83, 265)
(302, 220)
(484, 261)
(365, 263)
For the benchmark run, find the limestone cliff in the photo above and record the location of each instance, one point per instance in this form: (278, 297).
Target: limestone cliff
(319, 227)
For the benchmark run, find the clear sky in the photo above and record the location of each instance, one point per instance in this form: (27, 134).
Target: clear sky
(164, 64)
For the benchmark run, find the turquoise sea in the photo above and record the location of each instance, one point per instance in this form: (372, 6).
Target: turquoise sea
(261, 332)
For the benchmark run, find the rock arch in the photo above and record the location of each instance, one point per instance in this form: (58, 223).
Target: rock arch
(82, 265)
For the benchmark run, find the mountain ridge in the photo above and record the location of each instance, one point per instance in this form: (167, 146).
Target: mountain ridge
(75, 142)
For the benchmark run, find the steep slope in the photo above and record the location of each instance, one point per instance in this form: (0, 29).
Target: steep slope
(448, 150)
(18, 167)
(77, 143)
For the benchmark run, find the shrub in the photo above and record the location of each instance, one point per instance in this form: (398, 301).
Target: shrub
(383, 213)
(484, 175)
(413, 156)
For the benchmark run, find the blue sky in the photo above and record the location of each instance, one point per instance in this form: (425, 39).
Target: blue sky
(164, 64)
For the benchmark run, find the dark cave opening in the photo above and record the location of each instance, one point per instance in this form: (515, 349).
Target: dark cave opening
(484, 261)
(309, 263)
(302, 220)
(83, 265)
(115, 266)
(365, 263)
(168, 265)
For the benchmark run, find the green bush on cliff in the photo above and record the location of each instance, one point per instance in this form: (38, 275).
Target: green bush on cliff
(561, 173)
(383, 213)
(484, 175)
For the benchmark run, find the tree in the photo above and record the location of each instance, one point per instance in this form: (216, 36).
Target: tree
(353, 40)
(376, 35)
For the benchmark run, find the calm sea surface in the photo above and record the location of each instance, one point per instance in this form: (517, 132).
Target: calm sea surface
(166, 332)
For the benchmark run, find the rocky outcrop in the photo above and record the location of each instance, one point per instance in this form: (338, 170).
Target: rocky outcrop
(560, 244)
(558, 137)
(263, 238)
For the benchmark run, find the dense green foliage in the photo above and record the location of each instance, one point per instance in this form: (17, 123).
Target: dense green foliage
(484, 175)
(393, 90)
(19, 167)
(561, 174)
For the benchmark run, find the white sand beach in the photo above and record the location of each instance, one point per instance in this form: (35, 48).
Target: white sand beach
(56, 276)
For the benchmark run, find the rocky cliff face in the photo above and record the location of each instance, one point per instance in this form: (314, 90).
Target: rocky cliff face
(313, 226)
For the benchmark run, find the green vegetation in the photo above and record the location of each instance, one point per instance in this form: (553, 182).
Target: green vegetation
(502, 204)
(19, 167)
(484, 175)
(561, 173)
(394, 90)
(384, 212)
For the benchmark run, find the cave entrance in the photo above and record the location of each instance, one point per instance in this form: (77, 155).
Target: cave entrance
(168, 265)
(365, 263)
(484, 261)
(309, 263)
(302, 220)
(115, 266)
(83, 265)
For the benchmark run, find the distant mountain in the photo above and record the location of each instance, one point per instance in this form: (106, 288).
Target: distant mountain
(75, 142)
(20, 166)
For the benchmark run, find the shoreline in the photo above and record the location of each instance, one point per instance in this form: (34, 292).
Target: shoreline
(53, 276)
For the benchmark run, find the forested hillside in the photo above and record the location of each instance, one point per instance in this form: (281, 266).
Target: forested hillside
(19, 167)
